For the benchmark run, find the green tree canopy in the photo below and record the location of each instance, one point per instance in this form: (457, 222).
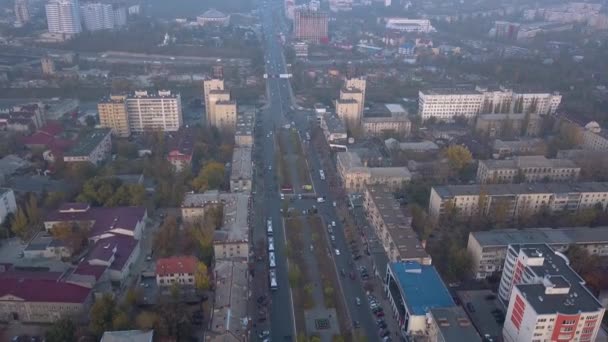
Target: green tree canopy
(61, 331)
(211, 176)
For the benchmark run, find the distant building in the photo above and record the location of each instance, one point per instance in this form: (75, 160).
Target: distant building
(300, 49)
(231, 241)
(310, 25)
(7, 203)
(113, 114)
(241, 170)
(63, 17)
(392, 226)
(245, 124)
(97, 16)
(213, 17)
(545, 298)
(527, 169)
(488, 249)
(25, 118)
(176, 270)
(349, 107)
(48, 66)
(412, 290)
(220, 110)
(217, 71)
(425, 146)
(517, 199)
(409, 25)
(180, 154)
(506, 30)
(386, 119)
(93, 147)
(355, 175)
(230, 306)
(340, 5)
(528, 146)
(446, 104)
(594, 138)
(22, 12)
(154, 112)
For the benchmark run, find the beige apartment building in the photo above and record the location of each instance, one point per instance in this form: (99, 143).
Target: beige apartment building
(527, 169)
(392, 226)
(154, 112)
(220, 110)
(516, 199)
(113, 114)
(495, 125)
(348, 110)
(355, 175)
(225, 114)
(378, 126)
(350, 105)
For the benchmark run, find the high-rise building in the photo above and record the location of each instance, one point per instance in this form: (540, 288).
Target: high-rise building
(349, 107)
(220, 110)
(120, 15)
(310, 25)
(48, 65)
(547, 300)
(63, 17)
(97, 16)
(113, 114)
(156, 112)
(22, 12)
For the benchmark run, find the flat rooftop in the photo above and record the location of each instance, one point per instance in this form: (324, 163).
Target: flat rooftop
(449, 191)
(241, 163)
(529, 161)
(230, 305)
(550, 236)
(88, 142)
(451, 91)
(245, 122)
(398, 225)
(454, 324)
(421, 287)
(334, 123)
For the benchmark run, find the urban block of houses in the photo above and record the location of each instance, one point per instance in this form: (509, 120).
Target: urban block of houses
(241, 170)
(8, 205)
(93, 147)
(232, 239)
(180, 154)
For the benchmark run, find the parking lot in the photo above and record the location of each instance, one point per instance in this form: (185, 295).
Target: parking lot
(486, 312)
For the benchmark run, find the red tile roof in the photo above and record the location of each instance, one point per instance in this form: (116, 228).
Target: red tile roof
(179, 264)
(43, 290)
(119, 246)
(52, 128)
(84, 268)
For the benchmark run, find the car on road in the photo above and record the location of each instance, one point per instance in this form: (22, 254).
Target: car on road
(264, 334)
(333, 223)
(271, 244)
(357, 300)
(333, 238)
(320, 200)
(337, 251)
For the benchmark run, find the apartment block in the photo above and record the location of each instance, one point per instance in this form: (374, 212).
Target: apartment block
(386, 119)
(97, 16)
(231, 241)
(22, 12)
(392, 226)
(348, 110)
(113, 114)
(445, 104)
(546, 299)
(332, 127)
(488, 249)
(451, 324)
(93, 147)
(527, 169)
(495, 125)
(63, 17)
(178, 270)
(524, 146)
(310, 25)
(516, 199)
(220, 111)
(241, 170)
(154, 112)
(8, 205)
(355, 175)
(594, 138)
(245, 124)
(350, 105)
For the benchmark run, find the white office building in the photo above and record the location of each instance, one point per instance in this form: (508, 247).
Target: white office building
(154, 112)
(97, 16)
(22, 12)
(63, 17)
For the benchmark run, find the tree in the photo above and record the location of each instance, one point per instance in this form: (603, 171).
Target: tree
(73, 235)
(146, 320)
(61, 331)
(32, 210)
(102, 315)
(201, 277)
(294, 275)
(121, 321)
(90, 121)
(20, 223)
(211, 176)
(458, 157)
(166, 238)
(581, 261)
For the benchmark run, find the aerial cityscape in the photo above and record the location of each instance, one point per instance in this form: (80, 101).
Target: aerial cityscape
(303, 171)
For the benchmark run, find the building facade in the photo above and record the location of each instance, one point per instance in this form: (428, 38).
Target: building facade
(63, 17)
(446, 104)
(22, 12)
(113, 114)
(496, 125)
(381, 126)
(245, 124)
(332, 127)
(515, 200)
(220, 111)
(8, 205)
(94, 147)
(154, 112)
(309, 25)
(546, 299)
(527, 169)
(241, 170)
(594, 138)
(97, 16)
(488, 249)
(392, 227)
(355, 175)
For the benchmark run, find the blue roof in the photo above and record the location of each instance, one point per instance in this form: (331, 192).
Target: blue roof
(421, 286)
